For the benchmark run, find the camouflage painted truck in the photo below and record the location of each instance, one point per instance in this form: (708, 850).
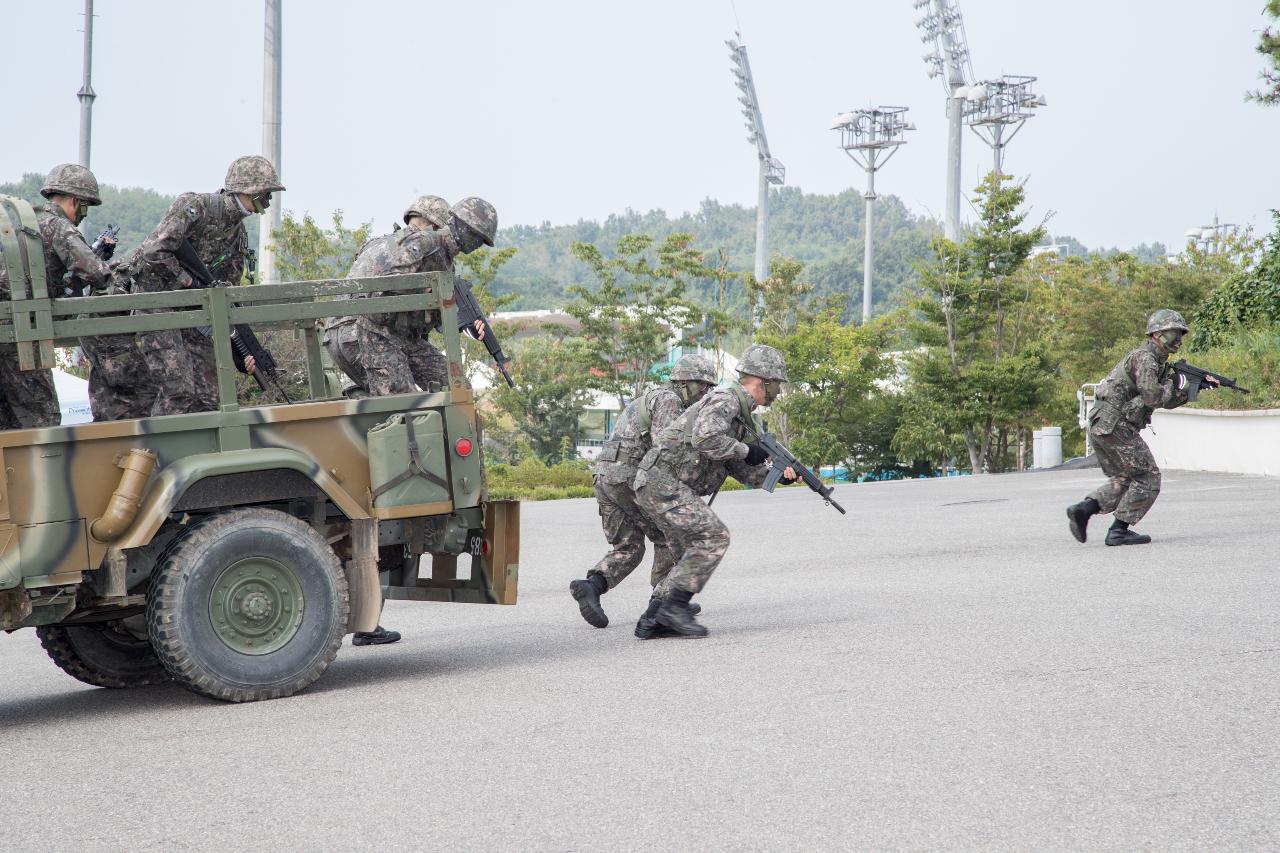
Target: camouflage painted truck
(231, 551)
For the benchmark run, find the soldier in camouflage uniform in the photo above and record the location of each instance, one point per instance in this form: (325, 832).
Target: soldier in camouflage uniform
(625, 526)
(182, 360)
(389, 353)
(691, 458)
(119, 383)
(1139, 384)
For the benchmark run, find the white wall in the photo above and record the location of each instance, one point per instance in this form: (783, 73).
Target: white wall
(1207, 440)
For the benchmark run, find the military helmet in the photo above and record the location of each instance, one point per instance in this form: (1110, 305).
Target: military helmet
(74, 180)
(763, 361)
(478, 215)
(431, 208)
(1165, 319)
(693, 368)
(252, 175)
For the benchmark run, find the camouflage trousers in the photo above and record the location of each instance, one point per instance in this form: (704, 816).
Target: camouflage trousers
(120, 385)
(1134, 482)
(181, 363)
(695, 533)
(381, 362)
(625, 528)
(27, 397)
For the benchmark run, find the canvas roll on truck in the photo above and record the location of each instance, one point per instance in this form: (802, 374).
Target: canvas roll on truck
(230, 551)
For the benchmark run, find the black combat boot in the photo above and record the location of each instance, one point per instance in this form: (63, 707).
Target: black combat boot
(648, 628)
(1078, 516)
(378, 637)
(1120, 534)
(588, 592)
(676, 615)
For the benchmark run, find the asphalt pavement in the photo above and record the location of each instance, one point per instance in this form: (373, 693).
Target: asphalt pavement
(942, 668)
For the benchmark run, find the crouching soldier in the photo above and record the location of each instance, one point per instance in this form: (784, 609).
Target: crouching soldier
(1139, 384)
(690, 459)
(625, 526)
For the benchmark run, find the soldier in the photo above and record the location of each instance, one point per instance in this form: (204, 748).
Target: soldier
(182, 361)
(1139, 384)
(389, 353)
(691, 458)
(625, 526)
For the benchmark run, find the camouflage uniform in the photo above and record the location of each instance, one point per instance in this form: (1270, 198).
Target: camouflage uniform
(1139, 384)
(389, 353)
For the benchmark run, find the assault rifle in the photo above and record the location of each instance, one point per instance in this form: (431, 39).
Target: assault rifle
(243, 341)
(1198, 379)
(469, 311)
(783, 459)
(104, 247)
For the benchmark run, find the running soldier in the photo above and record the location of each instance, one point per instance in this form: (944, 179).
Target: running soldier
(182, 360)
(1139, 384)
(625, 526)
(389, 353)
(690, 459)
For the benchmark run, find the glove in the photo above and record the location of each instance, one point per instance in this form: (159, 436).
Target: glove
(755, 454)
(107, 250)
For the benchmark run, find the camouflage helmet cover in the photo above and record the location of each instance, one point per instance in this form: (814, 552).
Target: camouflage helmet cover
(478, 215)
(693, 368)
(431, 208)
(74, 180)
(763, 361)
(1165, 319)
(252, 175)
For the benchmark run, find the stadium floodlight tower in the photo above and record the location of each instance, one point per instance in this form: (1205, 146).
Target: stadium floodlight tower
(943, 28)
(993, 107)
(771, 170)
(870, 137)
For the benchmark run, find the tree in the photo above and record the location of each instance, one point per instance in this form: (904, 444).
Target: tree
(549, 394)
(1248, 297)
(1269, 47)
(975, 360)
(307, 252)
(480, 268)
(635, 310)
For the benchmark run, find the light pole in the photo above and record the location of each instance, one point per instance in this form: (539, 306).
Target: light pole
(271, 78)
(870, 137)
(1210, 238)
(994, 107)
(942, 27)
(86, 93)
(771, 170)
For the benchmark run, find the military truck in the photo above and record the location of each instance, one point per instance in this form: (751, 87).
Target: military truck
(231, 551)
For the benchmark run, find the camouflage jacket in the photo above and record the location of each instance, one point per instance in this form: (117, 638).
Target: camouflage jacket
(408, 250)
(65, 250)
(631, 436)
(214, 224)
(1141, 383)
(706, 444)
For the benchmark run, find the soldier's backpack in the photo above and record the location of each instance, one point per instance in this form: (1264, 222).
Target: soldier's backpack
(22, 276)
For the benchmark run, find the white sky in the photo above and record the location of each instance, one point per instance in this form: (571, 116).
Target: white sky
(563, 110)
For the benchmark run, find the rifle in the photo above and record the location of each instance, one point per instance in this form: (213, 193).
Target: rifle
(243, 341)
(783, 459)
(469, 311)
(1198, 379)
(103, 250)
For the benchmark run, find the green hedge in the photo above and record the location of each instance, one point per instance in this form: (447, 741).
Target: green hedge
(534, 480)
(1252, 358)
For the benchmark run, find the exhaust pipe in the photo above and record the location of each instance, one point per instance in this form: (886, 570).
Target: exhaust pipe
(127, 498)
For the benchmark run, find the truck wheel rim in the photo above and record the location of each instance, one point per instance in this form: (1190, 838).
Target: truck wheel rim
(256, 605)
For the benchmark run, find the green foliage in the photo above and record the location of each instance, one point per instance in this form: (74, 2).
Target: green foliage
(1269, 47)
(1248, 298)
(1252, 358)
(637, 305)
(307, 252)
(532, 479)
(549, 395)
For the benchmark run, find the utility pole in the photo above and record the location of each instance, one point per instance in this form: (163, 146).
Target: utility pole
(86, 93)
(943, 27)
(771, 170)
(271, 77)
(870, 137)
(721, 271)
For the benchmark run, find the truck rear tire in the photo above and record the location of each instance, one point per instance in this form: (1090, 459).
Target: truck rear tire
(104, 654)
(247, 604)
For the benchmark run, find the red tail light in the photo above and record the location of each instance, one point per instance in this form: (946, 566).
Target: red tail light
(463, 446)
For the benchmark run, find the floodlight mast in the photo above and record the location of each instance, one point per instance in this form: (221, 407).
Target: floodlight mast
(870, 137)
(771, 170)
(943, 27)
(994, 108)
